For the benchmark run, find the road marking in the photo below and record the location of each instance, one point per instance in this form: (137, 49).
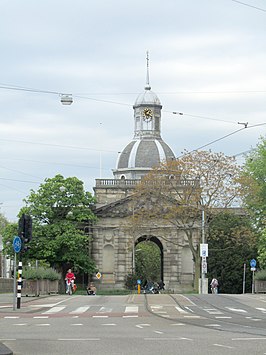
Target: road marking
(131, 309)
(54, 310)
(224, 346)
(237, 339)
(158, 332)
(236, 310)
(100, 316)
(20, 324)
(11, 317)
(141, 326)
(105, 310)
(191, 316)
(180, 310)
(212, 311)
(80, 310)
(76, 324)
(78, 339)
(212, 325)
(40, 317)
(133, 316)
(107, 324)
(178, 324)
(263, 310)
(223, 317)
(189, 309)
(43, 325)
(167, 339)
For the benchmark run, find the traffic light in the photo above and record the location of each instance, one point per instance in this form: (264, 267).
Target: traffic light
(25, 231)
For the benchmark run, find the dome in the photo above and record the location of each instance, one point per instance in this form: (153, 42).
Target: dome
(140, 156)
(148, 97)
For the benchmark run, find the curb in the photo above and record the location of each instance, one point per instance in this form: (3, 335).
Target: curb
(4, 350)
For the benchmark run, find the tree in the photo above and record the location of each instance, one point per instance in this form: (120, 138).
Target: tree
(58, 209)
(148, 262)
(254, 175)
(232, 242)
(180, 190)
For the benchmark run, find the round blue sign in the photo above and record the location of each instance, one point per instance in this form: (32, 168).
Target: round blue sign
(139, 282)
(17, 244)
(253, 263)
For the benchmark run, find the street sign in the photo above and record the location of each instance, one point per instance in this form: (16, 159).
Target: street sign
(17, 244)
(253, 263)
(204, 267)
(98, 275)
(203, 250)
(139, 282)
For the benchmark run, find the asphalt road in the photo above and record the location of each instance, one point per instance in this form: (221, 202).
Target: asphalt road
(136, 324)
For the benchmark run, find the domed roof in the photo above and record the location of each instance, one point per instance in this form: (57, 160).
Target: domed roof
(147, 97)
(144, 154)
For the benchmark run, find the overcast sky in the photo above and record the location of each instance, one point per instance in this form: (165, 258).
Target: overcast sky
(207, 60)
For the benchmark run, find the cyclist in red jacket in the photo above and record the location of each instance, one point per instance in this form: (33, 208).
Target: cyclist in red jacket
(70, 277)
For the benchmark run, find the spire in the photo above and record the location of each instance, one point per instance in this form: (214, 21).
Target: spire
(147, 87)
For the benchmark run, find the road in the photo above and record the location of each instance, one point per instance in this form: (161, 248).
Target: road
(136, 324)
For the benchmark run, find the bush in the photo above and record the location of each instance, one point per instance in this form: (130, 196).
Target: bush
(260, 275)
(40, 274)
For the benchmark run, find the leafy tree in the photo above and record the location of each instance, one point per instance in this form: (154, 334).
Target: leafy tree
(178, 191)
(255, 183)
(148, 262)
(232, 243)
(58, 209)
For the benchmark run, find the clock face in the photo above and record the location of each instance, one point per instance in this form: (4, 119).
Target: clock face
(147, 114)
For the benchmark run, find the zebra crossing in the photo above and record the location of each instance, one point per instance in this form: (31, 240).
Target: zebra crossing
(94, 311)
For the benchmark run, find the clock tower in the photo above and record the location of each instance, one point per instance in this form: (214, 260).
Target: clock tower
(147, 149)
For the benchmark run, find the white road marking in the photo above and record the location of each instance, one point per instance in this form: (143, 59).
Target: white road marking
(237, 339)
(11, 317)
(43, 325)
(133, 316)
(180, 310)
(178, 324)
(107, 324)
(236, 310)
(224, 346)
(54, 310)
(40, 317)
(141, 326)
(212, 325)
(78, 339)
(76, 324)
(191, 316)
(158, 332)
(263, 310)
(80, 310)
(100, 316)
(223, 317)
(105, 310)
(20, 324)
(212, 311)
(189, 309)
(131, 309)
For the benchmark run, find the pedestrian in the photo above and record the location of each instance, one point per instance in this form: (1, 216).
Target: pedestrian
(214, 285)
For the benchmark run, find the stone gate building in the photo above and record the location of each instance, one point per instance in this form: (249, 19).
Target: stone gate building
(114, 240)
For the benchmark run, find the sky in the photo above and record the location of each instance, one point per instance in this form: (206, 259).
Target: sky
(207, 61)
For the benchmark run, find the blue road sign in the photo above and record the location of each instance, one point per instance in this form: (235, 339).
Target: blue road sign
(253, 263)
(139, 282)
(17, 244)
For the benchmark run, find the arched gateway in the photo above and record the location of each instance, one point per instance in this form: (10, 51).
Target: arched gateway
(114, 238)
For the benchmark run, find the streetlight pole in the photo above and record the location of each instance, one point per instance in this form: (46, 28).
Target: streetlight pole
(203, 242)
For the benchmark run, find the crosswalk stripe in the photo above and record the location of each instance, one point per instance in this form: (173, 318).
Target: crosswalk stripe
(132, 309)
(54, 310)
(80, 310)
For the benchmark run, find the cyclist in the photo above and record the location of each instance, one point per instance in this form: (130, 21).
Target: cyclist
(70, 277)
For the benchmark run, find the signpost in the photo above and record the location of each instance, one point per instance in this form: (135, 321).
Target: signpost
(17, 247)
(253, 264)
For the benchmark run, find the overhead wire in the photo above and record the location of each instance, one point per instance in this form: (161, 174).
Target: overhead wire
(254, 7)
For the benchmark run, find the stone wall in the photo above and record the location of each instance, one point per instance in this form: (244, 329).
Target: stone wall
(6, 285)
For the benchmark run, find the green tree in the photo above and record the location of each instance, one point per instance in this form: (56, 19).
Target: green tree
(255, 183)
(58, 209)
(232, 243)
(148, 261)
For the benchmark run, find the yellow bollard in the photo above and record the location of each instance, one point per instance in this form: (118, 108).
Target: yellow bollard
(138, 289)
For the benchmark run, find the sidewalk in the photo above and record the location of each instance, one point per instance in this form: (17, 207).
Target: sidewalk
(7, 302)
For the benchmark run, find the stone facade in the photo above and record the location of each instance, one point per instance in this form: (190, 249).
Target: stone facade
(115, 240)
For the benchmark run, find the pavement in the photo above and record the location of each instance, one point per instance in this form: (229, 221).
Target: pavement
(7, 303)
